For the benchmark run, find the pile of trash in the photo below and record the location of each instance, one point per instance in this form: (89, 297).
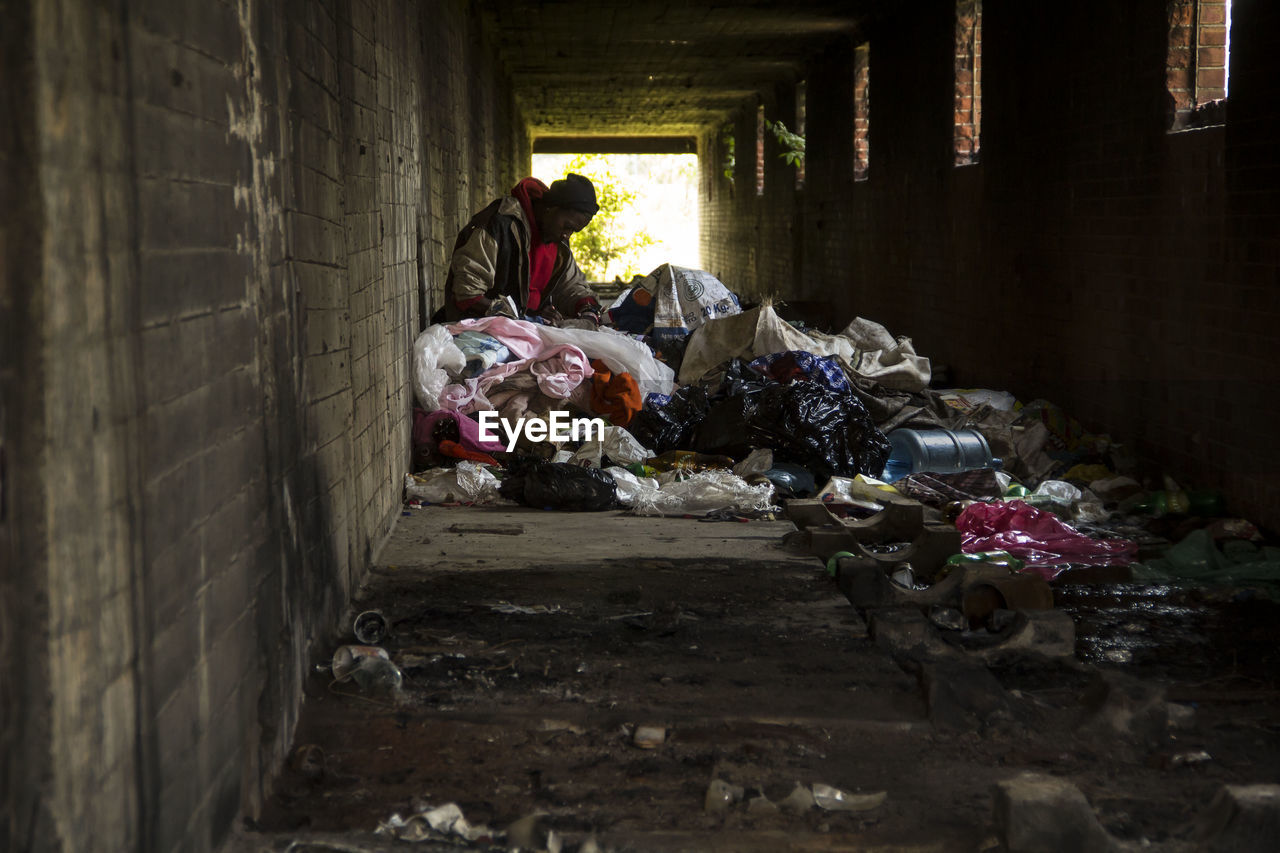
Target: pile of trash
(692, 404)
(507, 409)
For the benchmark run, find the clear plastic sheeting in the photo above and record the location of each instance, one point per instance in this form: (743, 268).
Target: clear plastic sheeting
(469, 482)
(704, 491)
(630, 486)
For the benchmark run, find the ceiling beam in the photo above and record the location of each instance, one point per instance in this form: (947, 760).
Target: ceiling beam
(615, 145)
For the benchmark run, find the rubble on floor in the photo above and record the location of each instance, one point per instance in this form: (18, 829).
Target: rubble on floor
(948, 620)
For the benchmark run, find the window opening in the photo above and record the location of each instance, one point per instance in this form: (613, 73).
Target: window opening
(728, 164)
(1199, 64)
(968, 117)
(760, 150)
(861, 111)
(648, 211)
(800, 107)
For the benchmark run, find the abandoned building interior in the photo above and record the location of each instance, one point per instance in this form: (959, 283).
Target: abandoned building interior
(227, 221)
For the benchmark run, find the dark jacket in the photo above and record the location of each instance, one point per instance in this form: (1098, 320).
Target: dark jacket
(491, 260)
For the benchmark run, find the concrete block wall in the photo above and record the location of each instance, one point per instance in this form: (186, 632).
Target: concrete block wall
(214, 272)
(750, 238)
(1090, 258)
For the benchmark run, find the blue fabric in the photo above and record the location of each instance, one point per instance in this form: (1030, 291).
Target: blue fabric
(630, 316)
(824, 370)
(482, 352)
(656, 401)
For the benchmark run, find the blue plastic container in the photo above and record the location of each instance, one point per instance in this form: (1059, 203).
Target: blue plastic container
(941, 451)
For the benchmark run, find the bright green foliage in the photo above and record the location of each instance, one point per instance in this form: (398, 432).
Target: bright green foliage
(792, 143)
(730, 158)
(611, 240)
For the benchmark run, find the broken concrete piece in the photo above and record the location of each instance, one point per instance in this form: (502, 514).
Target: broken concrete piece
(906, 631)
(964, 696)
(528, 833)
(1050, 633)
(1241, 819)
(947, 618)
(929, 543)
(761, 806)
(721, 795)
(1041, 814)
(864, 582)
(649, 737)
(836, 800)
(1011, 592)
(799, 801)
(1120, 704)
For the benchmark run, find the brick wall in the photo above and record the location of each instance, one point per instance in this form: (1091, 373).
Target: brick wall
(1091, 258)
(231, 229)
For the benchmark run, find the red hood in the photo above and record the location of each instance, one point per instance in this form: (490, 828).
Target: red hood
(526, 191)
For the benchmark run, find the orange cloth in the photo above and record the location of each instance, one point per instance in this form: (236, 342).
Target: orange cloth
(617, 396)
(457, 451)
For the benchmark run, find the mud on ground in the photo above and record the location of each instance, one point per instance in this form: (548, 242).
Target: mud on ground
(533, 644)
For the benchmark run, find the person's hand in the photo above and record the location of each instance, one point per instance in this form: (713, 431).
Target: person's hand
(591, 313)
(551, 315)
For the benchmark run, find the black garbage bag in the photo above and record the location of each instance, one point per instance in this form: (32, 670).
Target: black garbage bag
(827, 432)
(724, 429)
(740, 378)
(672, 426)
(558, 485)
(790, 480)
(669, 346)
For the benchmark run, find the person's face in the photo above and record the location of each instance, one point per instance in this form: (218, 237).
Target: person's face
(559, 223)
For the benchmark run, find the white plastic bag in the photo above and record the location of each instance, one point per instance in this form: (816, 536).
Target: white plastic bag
(705, 491)
(620, 352)
(470, 482)
(435, 358)
(618, 444)
(630, 487)
(757, 462)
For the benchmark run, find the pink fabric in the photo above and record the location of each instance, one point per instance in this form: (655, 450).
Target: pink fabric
(519, 336)
(560, 369)
(464, 396)
(1046, 544)
(468, 431)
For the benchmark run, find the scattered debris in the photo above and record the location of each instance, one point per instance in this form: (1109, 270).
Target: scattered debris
(649, 737)
(836, 800)
(721, 795)
(370, 627)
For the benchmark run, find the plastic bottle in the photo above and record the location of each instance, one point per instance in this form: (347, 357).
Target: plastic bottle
(689, 460)
(1158, 503)
(995, 558)
(377, 675)
(1206, 502)
(941, 451)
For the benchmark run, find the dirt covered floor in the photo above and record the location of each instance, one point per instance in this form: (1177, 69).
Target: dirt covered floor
(595, 673)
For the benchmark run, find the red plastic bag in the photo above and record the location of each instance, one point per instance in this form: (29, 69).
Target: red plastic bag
(1046, 544)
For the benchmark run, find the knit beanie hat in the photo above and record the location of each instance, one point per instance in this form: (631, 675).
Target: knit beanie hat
(574, 192)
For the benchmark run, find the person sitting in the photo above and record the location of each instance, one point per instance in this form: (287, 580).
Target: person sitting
(513, 257)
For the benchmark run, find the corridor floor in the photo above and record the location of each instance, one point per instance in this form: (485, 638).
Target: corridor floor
(534, 644)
